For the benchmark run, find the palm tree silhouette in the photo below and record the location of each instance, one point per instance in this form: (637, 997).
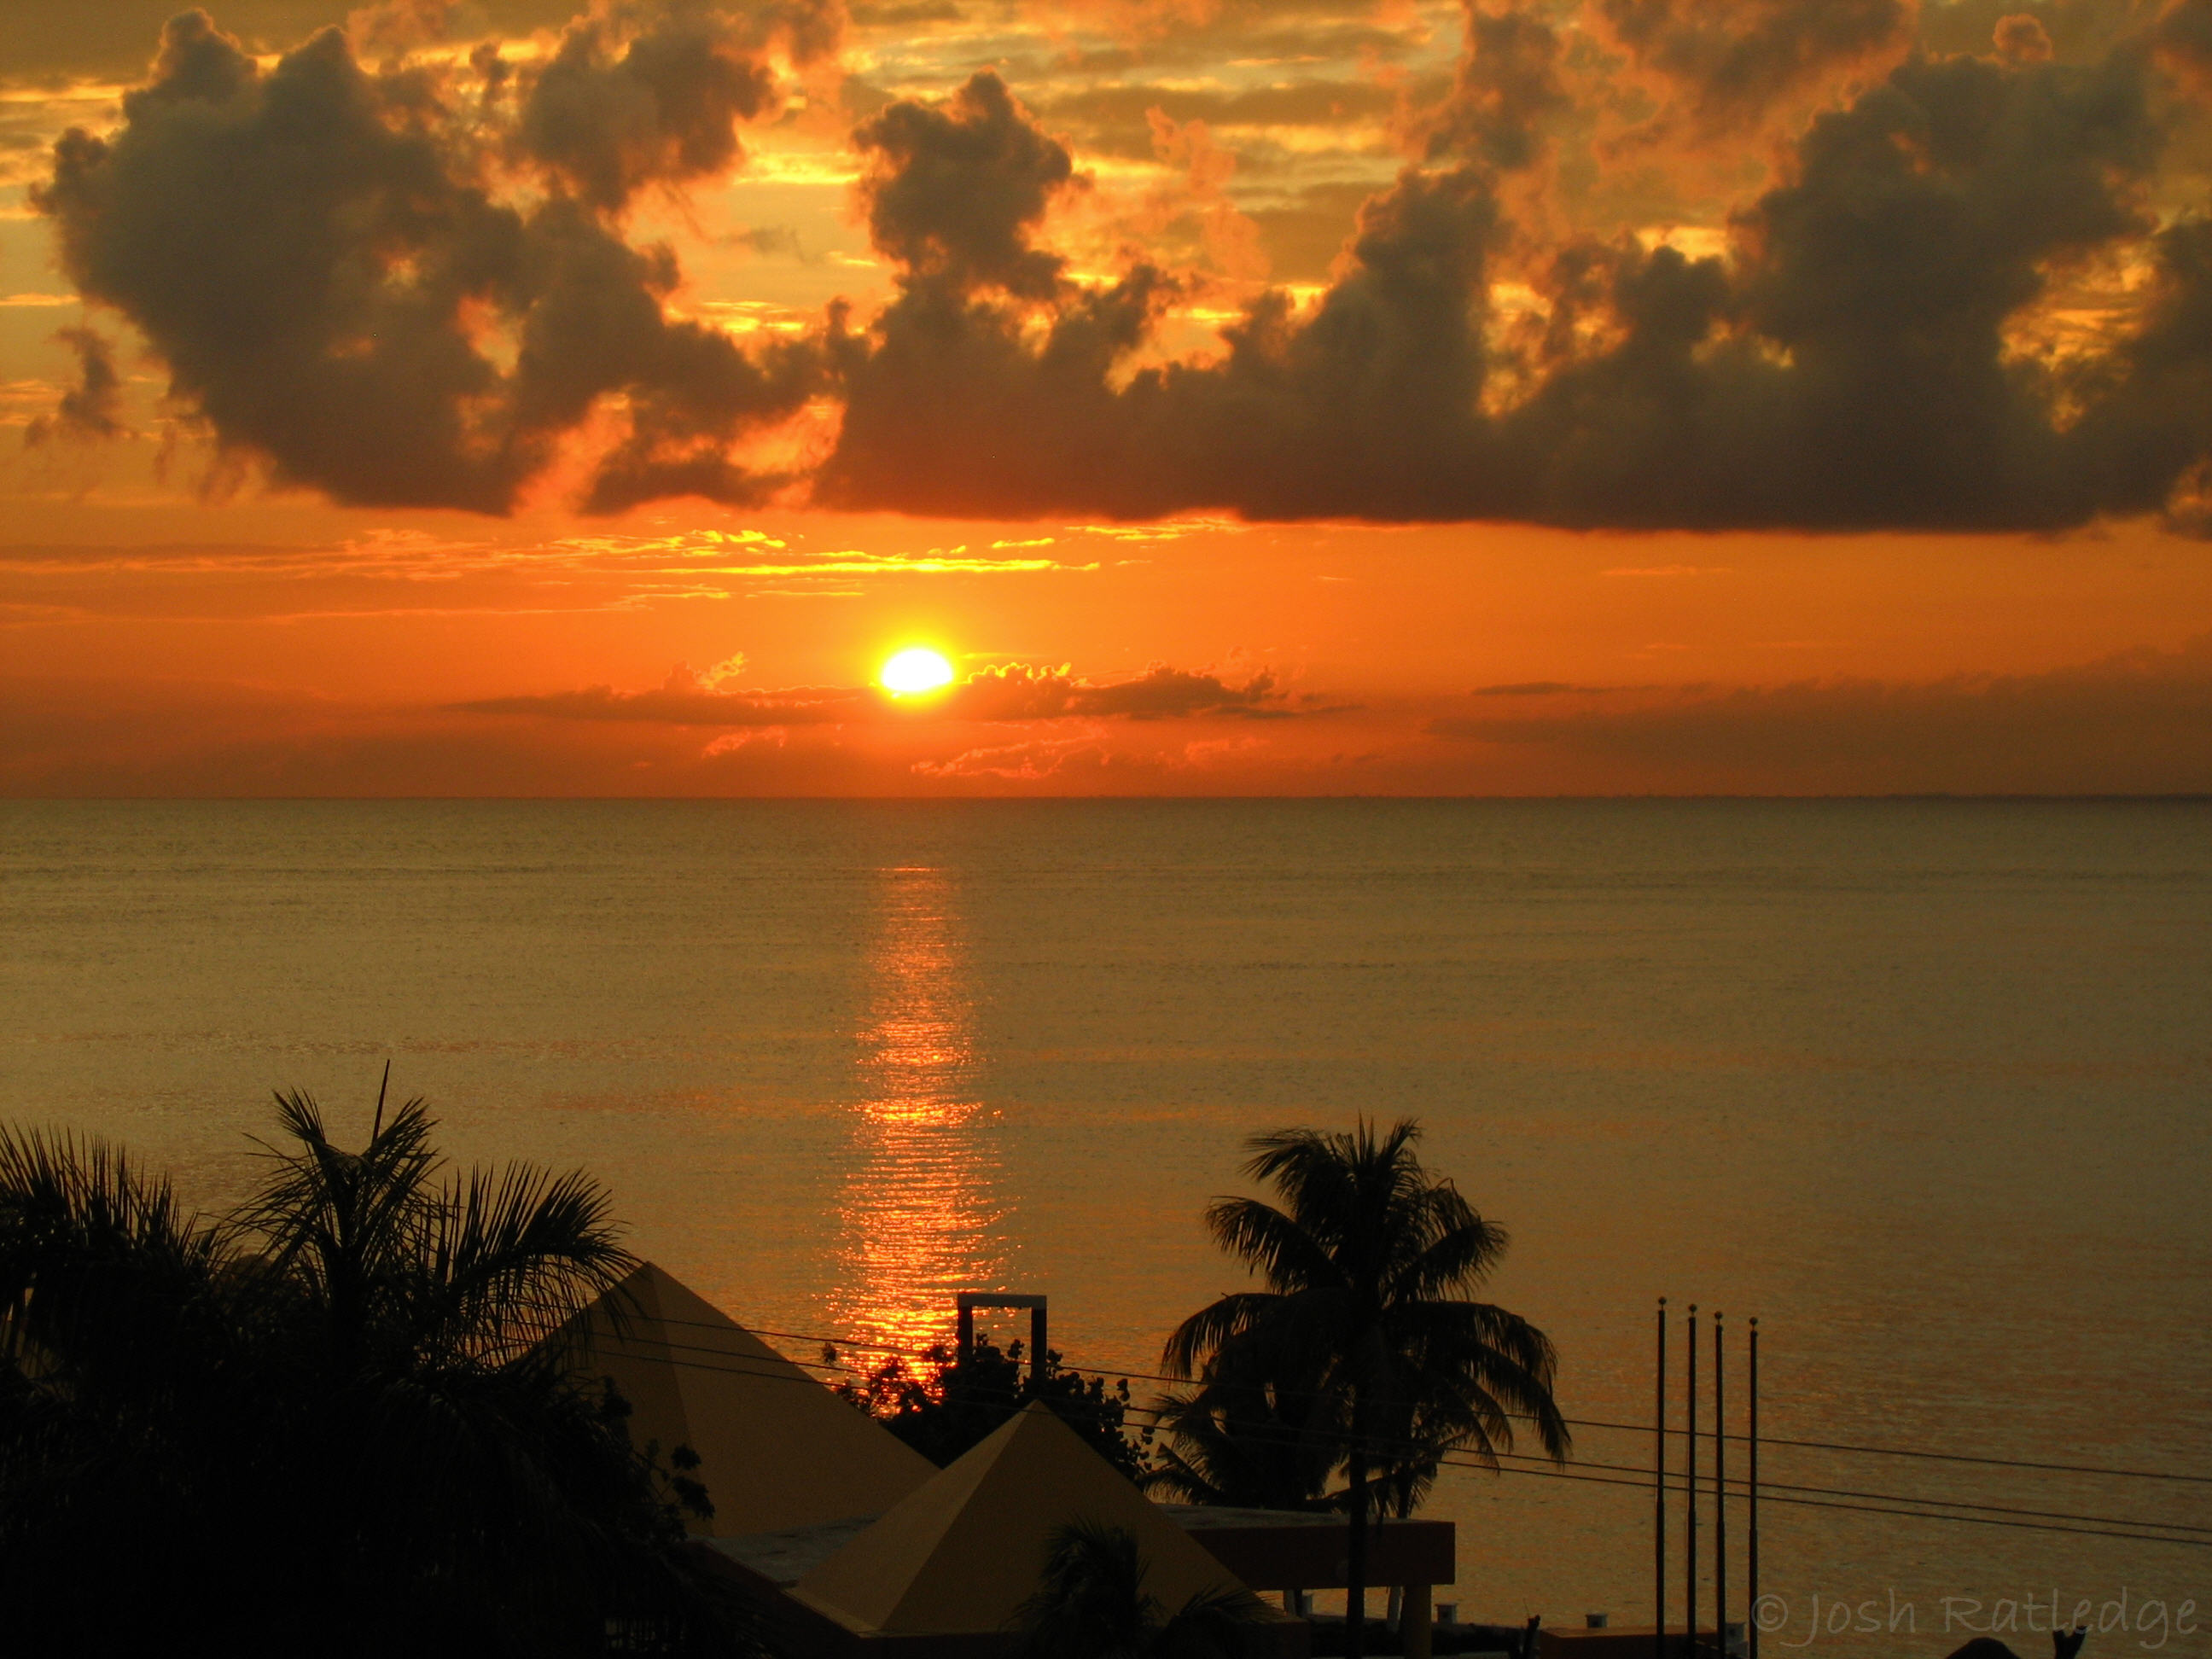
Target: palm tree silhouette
(1091, 1603)
(1365, 1326)
(336, 1410)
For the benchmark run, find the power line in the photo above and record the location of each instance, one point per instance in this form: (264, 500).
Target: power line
(1600, 1423)
(1740, 1488)
(1881, 1508)
(1866, 1509)
(1882, 1503)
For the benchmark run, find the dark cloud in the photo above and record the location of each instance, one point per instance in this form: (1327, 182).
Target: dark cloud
(954, 191)
(1008, 694)
(93, 407)
(1017, 693)
(1734, 59)
(343, 277)
(1509, 81)
(2184, 36)
(610, 117)
(772, 242)
(2135, 723)
(2021, 39)
(2080, 31)
(1536, 689)
(904, 14)
(679, 703)
(1851, 366)
(49, 43)
(314, 252)
(953, 406)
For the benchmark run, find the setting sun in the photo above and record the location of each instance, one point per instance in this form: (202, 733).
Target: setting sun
(915, 670)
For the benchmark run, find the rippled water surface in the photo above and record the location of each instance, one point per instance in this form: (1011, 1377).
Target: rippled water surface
(1925, 1086)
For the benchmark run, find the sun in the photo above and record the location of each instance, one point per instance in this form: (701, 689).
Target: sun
(915, 670)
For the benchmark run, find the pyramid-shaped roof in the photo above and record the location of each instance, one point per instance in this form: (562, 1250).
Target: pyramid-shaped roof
(965, 1551)
(776, 1448)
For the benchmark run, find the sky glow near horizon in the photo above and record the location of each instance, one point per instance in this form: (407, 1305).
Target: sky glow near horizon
(1585, 396)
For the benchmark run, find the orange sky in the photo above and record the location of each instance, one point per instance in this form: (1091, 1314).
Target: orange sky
(1807, 540)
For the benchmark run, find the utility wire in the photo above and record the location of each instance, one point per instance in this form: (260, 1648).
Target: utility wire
(1739, 1486)
(1881, 1506)
(1590, 1422)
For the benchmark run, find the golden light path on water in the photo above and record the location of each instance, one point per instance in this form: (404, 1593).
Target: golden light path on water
(919, 1212)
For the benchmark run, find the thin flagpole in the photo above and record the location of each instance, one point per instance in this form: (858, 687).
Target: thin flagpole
(1720, 1486)
(1751, 1541)
(1659, 1499)
(1690, 1525)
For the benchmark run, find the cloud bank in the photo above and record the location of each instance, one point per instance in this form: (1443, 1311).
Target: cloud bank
(2129, 725)
(1013, 693)
(1973, 296)
(1855, 363)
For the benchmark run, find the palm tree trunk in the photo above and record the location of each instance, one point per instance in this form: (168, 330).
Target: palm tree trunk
(1355, 1564)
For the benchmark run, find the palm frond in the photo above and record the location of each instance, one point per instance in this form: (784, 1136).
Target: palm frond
(1237, 1442)
(1209, 1625)
(1275, 1245)
(1493, 1367)
(1458, 1250)
(98, 1263)
(507, 1260)
(1091, 1601)
(1206, 1331)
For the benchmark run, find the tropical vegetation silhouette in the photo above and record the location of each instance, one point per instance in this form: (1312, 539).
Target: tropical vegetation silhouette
(1366, 1351)
(329, 1421)
(953, 1400)
(1091, 1603)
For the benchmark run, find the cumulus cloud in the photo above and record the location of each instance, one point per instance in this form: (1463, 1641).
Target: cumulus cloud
(1853, 361)
(1731, 60)
(416, 286)
(954, 191)
(1509, 81)
(317, 252)
(609, 117)
(93, 407)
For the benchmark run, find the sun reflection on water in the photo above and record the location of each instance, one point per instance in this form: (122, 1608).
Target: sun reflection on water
(918, 1213)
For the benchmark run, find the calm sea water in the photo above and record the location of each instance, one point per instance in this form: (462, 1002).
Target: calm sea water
(1922, 1086)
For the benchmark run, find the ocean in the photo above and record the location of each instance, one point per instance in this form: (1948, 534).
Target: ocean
(1926, 1086)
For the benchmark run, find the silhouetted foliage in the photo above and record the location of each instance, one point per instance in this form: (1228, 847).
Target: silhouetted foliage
(1246, 1437)
(2064, 1644)
(953, 1403)
(1091, 1603)
(330, 1422)
(1362, 1347)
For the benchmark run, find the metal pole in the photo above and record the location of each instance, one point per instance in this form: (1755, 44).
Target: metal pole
(1720, 1486)
(1690, 1525)
(1752, 1541)
(1036, 1347)
(1659, 1499)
